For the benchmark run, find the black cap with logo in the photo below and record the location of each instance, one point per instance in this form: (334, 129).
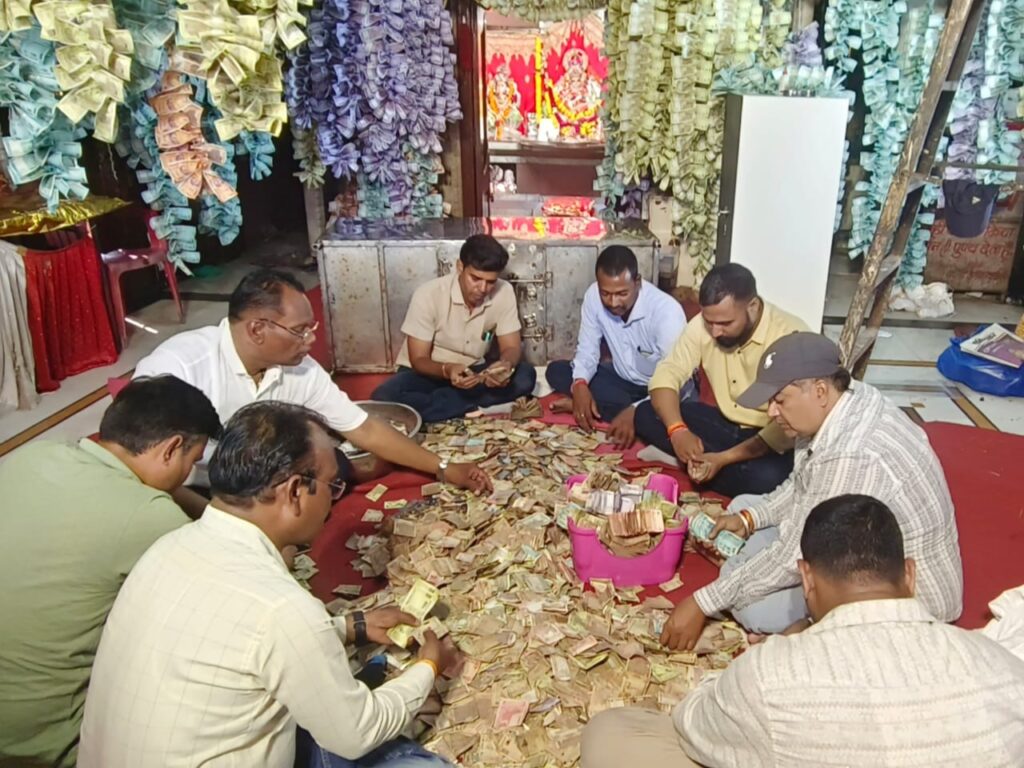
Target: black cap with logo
(791, 358)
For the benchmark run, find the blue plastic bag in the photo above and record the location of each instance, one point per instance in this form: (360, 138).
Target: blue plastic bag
(980, 374)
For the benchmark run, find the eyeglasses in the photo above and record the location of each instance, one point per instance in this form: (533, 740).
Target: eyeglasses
(305, 335)
(337, 488)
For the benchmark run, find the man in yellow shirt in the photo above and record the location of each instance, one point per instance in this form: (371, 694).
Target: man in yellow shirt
(728, 449)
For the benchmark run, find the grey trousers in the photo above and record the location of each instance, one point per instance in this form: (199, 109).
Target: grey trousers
(773, 613)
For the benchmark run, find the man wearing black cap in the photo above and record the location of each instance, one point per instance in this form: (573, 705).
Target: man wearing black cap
(849, 439)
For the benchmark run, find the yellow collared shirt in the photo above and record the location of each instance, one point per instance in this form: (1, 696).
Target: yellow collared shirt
(730, 371)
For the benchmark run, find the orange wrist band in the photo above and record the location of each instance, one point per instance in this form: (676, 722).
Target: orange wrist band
(430, 663)
(678, 427)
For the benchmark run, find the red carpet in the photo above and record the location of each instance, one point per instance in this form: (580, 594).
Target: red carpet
(983, 469)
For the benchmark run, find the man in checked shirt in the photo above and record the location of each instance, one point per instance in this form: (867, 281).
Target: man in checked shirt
(849, 439)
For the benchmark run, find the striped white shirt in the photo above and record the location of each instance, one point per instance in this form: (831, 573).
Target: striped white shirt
(874, 683)
(866, 446)
(213, 653)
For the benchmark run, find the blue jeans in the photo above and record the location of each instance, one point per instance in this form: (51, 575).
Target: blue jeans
(761, 475)
(612, 393)
(438, 400)
(397, 753)
(773, 613)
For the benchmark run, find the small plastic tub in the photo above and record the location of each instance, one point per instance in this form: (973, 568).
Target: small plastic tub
(592, 561)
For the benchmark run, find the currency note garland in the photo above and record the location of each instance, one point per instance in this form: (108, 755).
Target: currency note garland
(894, 64)
(802, 72)
(43, 145)
(375, 86)
(661, 118)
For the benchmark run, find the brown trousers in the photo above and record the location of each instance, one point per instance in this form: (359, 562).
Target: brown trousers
(631, 736)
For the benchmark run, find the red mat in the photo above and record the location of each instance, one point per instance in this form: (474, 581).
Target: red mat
(983, 469)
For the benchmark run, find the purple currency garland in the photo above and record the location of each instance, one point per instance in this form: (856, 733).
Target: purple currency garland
(376, 83)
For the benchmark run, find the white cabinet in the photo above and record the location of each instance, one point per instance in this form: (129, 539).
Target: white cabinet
(781, 168)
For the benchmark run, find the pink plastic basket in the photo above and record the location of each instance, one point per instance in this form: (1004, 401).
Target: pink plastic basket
(592, 561)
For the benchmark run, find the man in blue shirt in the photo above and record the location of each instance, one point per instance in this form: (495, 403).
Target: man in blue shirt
(639, 324)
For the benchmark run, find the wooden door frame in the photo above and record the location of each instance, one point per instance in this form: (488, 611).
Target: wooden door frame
(469, 71)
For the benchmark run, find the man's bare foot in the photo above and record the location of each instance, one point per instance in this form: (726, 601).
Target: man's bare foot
(561, 405)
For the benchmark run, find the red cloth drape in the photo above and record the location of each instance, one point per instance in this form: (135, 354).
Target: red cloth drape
(68, 319)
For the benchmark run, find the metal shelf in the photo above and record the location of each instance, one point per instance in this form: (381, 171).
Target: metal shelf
(546, 153)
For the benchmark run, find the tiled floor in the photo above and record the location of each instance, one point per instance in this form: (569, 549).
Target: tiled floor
(967, 309)
(903, 367)
(63, 407)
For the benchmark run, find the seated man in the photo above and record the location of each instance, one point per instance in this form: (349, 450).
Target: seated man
(261, 352)
(640, 324)
(213, 652)
(850, 439)
(730, 449)
(449, 327)
(75, 519)
(875, 680)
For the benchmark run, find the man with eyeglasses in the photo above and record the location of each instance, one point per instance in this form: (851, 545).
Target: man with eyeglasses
(260, 351)
(214, 655)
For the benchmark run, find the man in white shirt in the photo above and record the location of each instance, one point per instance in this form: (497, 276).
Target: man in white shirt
(1007, 625)
(213, 653)
(850, 439)
(261, 352)
(875, 680)
(640, 325)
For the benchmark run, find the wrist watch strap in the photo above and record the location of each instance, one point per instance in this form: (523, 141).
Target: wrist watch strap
(359, 627)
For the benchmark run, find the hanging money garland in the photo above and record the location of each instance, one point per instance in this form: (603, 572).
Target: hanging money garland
(94, 60)
(43, 144)
(152, 24)
(894, 69)
(978, 119)
(235, 55)
(802, 72)
(375, 84)
(662, 119)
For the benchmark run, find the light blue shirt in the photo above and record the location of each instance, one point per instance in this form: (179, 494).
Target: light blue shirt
(638, 344)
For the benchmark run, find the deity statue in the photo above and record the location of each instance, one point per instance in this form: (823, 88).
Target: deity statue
(503, 100)
(577, 96)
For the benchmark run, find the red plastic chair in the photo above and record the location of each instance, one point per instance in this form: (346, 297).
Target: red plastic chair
(127, 260)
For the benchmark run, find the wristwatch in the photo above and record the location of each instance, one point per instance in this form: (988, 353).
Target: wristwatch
(441, 467)
(359, 627)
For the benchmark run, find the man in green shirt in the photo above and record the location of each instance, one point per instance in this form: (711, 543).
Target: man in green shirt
(74, 520)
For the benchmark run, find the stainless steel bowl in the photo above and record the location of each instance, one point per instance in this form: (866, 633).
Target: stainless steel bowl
(368, 466)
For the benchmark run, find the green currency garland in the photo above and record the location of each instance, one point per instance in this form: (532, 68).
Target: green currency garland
(661, 117)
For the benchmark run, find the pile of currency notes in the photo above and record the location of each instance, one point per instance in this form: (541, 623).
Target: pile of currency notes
(540, 654)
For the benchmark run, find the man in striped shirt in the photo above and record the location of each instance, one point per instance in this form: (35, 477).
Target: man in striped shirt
(850, 439)
(875, 680)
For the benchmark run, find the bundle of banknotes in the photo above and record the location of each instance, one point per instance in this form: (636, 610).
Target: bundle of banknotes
(540, 654)
(185, 154)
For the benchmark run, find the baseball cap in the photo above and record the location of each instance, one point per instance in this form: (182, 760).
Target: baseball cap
(791, 358)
